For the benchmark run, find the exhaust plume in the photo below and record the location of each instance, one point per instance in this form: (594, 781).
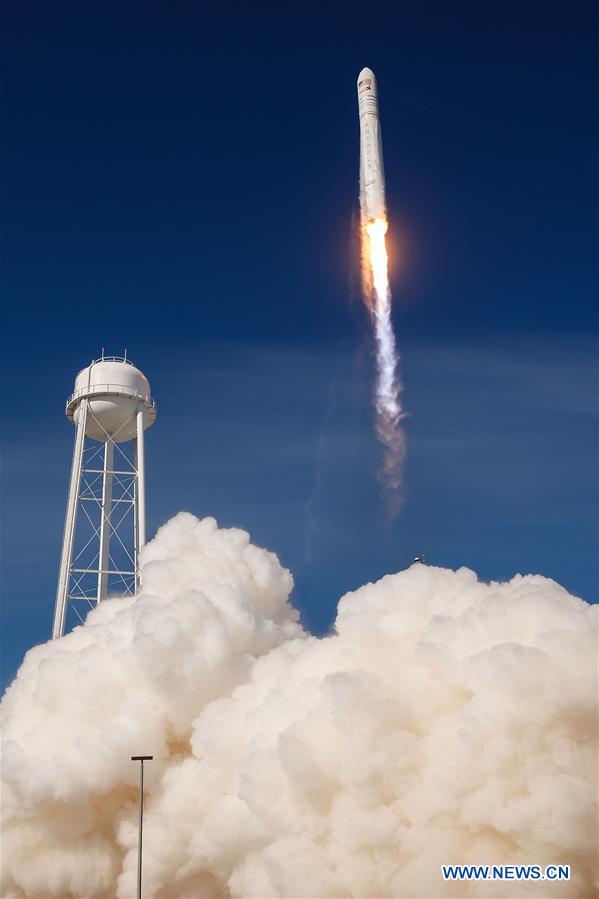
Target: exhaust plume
(443, 721)
(389, 412)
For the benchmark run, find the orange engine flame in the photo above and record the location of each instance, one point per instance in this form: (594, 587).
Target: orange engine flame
(377, 256)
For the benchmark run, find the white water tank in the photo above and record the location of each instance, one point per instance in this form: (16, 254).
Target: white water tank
(115, 389)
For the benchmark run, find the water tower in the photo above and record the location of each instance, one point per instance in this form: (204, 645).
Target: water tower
(105, 522)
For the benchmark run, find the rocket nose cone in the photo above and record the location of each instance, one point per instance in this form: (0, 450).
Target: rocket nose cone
(365, 73)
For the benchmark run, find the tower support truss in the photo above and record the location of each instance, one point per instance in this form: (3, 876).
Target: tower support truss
(105, 518)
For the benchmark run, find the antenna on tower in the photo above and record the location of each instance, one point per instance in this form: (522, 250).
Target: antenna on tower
(105, 521)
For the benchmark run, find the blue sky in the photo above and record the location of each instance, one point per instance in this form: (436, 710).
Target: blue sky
(183, 182)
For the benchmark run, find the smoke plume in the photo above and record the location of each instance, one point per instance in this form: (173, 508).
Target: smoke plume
(388, 387)
(444, 720)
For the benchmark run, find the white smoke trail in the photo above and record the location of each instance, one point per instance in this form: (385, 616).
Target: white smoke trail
(389, 412)
(444, 721)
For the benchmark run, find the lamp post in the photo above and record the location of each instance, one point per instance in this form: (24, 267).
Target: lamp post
(141, 759)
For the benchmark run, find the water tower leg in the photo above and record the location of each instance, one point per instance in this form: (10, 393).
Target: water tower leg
(104, 555)
(141, 480)
(135, 528)
(62, 590)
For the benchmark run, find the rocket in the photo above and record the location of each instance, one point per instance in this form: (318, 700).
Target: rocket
(372, 175)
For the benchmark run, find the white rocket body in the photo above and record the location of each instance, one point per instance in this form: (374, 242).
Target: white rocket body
(372, 176)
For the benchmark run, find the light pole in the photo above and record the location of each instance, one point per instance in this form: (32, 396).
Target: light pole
(141, 759)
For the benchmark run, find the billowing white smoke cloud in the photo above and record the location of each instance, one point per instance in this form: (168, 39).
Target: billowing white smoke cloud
(445, 721)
